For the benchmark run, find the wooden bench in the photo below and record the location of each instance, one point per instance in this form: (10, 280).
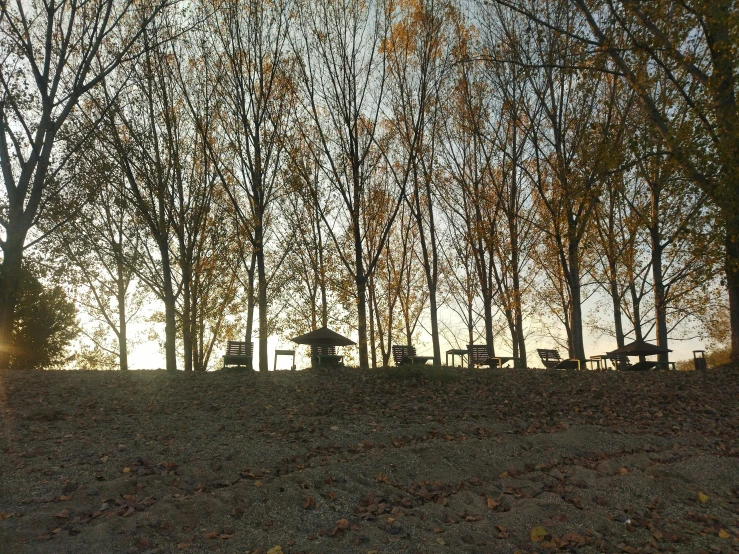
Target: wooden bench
(406, 354)
(550, 358)
(325, 356)
(239, 354)
(479, 355)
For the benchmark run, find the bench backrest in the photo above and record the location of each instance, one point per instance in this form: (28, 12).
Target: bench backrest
(548, 354)
(478, 352)
(239, 348)
(621, 360)
(402, 351)
(322, 351)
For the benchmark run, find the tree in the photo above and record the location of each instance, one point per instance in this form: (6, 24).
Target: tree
(418, 56)
(342, 73)
(142, 133)
(102, 245)
(571, 123)
(257, 94)
(45, 325)
(692, 46)
(52, 55)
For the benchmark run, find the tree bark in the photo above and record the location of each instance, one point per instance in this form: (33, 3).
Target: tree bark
(732, 283)
(10, 272)
(362, 323)
(122, 324)
(578, 347)
(262, 298)
(660, 303)
(250, 301)
(616, 300)
(170, 322)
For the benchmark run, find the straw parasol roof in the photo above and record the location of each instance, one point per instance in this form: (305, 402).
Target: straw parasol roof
(640, 348)
(323, 337)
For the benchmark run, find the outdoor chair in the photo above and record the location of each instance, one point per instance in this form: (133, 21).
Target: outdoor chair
(406, 354)
(550, 358)
(239, 354)
(479, 355)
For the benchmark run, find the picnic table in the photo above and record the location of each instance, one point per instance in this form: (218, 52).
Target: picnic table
(498, 361)
(456, 352)
(323, 343)
(326, 356)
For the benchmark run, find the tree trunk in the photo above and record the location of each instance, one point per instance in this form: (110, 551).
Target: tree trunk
(322, 272)
(372, 323)
(636, 303)
(11, 271)
(732, 283)
(362, 323)
(489, 339)
(470, 331)
(170, 322)
(250, 302)
(262, 292)
(616, 300)
(578, 347)
(122, 326)
(660, 302)
(186, 324)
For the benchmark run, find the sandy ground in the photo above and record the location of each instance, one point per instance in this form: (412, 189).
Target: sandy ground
(390, 461)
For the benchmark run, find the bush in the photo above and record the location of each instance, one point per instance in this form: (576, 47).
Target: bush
(45, 324)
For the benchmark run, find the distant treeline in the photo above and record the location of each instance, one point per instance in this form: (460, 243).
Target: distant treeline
(229, 166)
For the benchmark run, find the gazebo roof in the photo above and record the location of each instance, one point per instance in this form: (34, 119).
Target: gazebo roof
(640, 348)
(323, 337)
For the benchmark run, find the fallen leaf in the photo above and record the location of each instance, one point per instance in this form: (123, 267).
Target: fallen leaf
(277, 549)
(440, 541)
(623, 470)
(309, 502)
(492, 503)
(723, 534)
(211, 535)
(63, 514)
(343, 524)
(702, 498)
(183, 545)
(126, 469)
(257, 483)
(538, 534)
(334, 427)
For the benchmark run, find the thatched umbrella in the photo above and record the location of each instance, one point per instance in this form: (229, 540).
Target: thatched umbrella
(323, 337)
(640, 348)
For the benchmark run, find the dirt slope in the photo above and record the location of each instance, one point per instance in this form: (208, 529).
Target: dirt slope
(493, 461)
